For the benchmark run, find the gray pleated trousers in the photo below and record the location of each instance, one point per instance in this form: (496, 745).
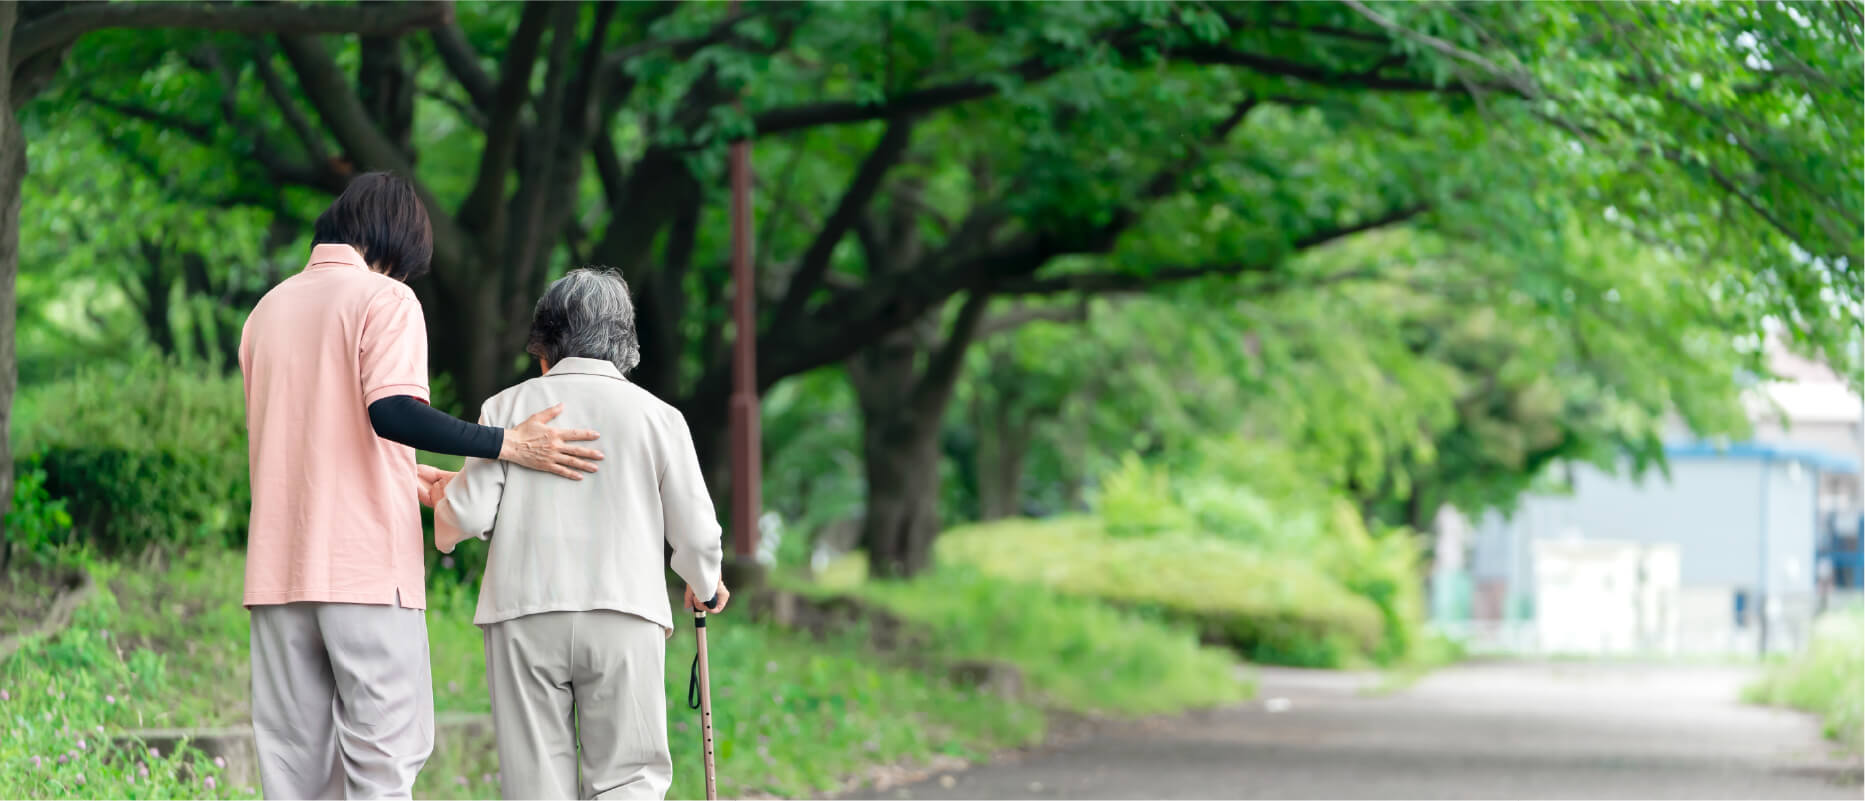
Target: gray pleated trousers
(343, 699)
(595, 679)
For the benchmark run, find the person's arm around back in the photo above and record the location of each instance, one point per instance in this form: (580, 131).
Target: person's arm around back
(692, 527)
(393, 365)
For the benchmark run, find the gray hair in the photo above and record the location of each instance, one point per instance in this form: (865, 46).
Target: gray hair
(586, 314)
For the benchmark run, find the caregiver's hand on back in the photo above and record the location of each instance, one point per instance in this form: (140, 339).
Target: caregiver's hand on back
(540, 447)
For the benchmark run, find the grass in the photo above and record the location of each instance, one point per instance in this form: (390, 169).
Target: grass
(1273, 609)
(1082, 655)
(1827, 680)
(64, 699)
(164, 644)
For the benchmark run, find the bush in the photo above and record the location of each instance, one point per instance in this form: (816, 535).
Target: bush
(35, 522)
(149, 455)
(1257, 498)
(1828, 679)
(1136, 500)
(1271, 608)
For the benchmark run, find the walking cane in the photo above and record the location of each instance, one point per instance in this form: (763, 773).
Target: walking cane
(699, 694)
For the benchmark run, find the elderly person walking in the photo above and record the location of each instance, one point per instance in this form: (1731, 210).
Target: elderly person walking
(574, 599)
(335, 366)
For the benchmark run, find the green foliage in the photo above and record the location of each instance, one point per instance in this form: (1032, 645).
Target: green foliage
(812, 457)
(65, 702)
(144, 454)
(1272, 608)
(1079, 653)
(1828, 679)
(1136, 500)
(1256, 497)
(35, 521)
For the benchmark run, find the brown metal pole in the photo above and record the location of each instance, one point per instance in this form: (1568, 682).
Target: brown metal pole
(747, 456)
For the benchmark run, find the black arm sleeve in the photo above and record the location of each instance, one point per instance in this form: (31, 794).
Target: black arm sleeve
(403, 419)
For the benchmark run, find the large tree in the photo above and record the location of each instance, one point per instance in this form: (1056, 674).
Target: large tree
(1054, 148)
(35, 41)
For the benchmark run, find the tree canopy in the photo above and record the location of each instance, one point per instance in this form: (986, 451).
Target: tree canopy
(1637, 180)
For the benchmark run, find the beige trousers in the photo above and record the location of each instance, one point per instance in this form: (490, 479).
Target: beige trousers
(595, 679)
(343, 699)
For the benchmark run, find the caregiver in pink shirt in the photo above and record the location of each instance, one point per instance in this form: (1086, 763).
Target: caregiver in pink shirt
(335, 365)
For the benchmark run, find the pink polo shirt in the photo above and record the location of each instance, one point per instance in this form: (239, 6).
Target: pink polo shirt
(335, 516)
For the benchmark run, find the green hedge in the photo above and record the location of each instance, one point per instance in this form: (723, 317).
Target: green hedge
(142, 455)
(1271, 608)
(1268, 518)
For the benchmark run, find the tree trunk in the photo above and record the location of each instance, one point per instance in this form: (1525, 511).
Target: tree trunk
(1003, 443)
(901, 461)
(469, 338)
(903, 407)
(12, 181)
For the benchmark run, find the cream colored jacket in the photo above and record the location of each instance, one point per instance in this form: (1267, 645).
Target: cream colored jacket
(571, 546)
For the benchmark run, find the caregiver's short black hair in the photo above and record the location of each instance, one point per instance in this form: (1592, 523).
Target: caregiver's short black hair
(380, 215)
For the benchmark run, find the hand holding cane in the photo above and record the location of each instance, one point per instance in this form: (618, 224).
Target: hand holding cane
(699, 693)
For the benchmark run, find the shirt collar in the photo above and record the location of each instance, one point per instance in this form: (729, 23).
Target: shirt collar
(335, 255)
(578, 365)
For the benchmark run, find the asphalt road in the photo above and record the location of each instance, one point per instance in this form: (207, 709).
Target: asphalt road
(1495, 730)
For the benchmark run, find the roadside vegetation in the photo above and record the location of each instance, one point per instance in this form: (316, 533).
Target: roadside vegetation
(1828, 679)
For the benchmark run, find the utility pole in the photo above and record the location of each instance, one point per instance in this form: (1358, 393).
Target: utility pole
(747, 455)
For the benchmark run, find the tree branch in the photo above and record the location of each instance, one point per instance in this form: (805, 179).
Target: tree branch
(495, 161)
(935, 385)
(340, 109)
(861, 189)
(468, 112)
(462, 61)
(532, 224)
(618, 60)
(1213, 55)
(1517, 82)
(1104, 282)
(59, 28)
(782, 120)
(315, 176)
(301, 126)
(1021, 316)
(202, 133)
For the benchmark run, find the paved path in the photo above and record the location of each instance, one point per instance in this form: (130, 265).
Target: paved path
(1496, 730)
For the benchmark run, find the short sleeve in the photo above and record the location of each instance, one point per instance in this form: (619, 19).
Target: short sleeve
(394, 347)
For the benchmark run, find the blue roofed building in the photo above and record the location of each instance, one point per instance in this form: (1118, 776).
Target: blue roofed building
(1737, 550)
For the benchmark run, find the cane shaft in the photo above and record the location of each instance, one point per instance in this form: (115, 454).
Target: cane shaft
(705, 707)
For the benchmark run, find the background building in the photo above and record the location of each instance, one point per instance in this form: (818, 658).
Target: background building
(1765, 536)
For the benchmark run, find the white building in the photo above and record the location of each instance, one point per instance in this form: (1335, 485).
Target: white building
(1765, 534)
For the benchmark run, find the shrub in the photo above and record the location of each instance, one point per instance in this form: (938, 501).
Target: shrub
(1828, 679)
(145, 455)
(35, 522)
(1136, 501)
(1257, 497)
(1271, 608)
